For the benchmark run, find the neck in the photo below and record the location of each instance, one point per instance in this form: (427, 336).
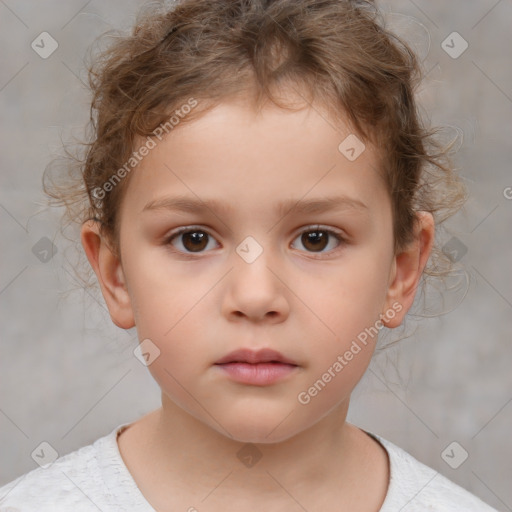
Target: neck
(332, 457)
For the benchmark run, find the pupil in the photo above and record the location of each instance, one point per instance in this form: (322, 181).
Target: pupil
(315, 238)
(197, 239)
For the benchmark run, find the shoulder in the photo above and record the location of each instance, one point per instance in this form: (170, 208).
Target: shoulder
(416, 487)
(73, 480)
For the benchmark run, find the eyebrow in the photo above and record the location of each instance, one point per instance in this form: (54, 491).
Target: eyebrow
(318, 205)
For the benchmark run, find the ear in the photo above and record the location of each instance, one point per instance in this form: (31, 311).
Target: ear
(109, 272)
(407, 270)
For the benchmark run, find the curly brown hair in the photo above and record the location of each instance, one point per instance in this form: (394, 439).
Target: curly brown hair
(337, 53)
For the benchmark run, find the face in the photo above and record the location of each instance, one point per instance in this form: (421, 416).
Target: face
(258, 267)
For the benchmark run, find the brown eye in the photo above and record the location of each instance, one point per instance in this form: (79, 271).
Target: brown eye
(316, 240)
(192, 240)
(195, 240)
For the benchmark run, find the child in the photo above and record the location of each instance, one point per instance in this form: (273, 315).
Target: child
(260, 202)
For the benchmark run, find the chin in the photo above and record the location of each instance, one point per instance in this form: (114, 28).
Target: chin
(259, 429)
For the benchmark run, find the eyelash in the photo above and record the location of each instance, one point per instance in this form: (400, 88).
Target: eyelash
(192, 229)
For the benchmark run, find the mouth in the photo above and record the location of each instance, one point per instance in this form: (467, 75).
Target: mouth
(252, 357)
(256, 368)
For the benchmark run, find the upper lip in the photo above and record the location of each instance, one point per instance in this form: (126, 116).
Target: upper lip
(245, 355)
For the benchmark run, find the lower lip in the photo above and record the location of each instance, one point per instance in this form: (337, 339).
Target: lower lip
(260, 374)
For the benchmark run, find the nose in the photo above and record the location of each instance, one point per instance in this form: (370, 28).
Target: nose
(256, 291)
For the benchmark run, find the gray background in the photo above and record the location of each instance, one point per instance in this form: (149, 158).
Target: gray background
(69, 376)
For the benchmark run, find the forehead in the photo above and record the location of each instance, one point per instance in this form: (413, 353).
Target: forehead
(248, 158)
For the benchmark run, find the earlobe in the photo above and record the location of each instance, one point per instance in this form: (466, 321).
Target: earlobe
(408, 268)
(109, 272)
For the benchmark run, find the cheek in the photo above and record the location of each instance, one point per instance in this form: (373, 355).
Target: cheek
(159, 295)
(349, 299)
(345, 311)
(172, 312)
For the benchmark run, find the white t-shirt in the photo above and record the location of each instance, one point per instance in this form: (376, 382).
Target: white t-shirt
(94, 478)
